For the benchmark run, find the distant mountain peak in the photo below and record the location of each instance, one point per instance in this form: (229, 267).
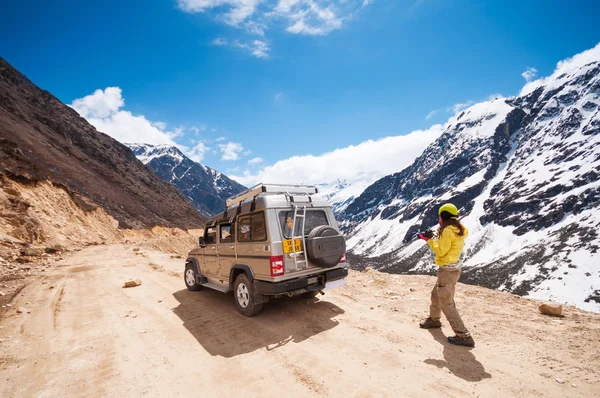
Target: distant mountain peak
(206, 188)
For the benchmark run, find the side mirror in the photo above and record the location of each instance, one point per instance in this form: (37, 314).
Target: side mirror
(201, 242)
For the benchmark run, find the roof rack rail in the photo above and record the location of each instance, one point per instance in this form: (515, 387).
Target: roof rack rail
(270, 188)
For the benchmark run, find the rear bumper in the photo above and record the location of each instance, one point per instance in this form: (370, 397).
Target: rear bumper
(274, 288)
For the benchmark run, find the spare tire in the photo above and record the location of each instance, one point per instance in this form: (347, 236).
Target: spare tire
(325, 246)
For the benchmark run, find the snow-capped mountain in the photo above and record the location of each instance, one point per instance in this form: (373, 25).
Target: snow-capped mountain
(525, 172)
(205, 188)
(340, 193)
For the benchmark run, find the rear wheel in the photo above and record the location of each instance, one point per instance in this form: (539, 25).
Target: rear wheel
(244, 296)
(190, 278)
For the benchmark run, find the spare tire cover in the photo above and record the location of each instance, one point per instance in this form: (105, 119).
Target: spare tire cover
(325, 246)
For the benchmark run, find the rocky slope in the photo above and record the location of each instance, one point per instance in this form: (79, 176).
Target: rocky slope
(205, 188)
(525, 171)
(41, 139)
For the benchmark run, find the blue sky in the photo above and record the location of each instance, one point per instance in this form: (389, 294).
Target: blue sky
(245, 79)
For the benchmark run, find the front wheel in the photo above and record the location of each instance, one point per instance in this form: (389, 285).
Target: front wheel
(244, 296)
(191, 281)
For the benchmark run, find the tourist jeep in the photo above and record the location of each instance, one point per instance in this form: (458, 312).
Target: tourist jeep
(271, 240)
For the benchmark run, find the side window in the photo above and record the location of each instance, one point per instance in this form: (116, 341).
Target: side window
(211, 236)
(244, 229)
(252, 228)
(258, 229)
(226, 233)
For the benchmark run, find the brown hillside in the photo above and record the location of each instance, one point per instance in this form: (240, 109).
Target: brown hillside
(43, 139)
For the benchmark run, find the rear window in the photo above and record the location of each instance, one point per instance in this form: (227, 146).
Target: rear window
(252, 228)
(314, 218)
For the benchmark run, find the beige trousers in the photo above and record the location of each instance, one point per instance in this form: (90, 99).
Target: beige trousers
(442, 299)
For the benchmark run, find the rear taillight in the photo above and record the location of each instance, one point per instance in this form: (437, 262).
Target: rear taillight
(276, 265)
(343, 259)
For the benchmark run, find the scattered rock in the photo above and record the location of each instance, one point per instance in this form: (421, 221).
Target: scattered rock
(160, 301)
(136, 249)
(8, 305)
(139, 253)
(31, 252)
(2, 294)
(132, 283)
(560, 381)
(55, 249)
(175, 256)
(51, 287)
(28, 303)
(551, 309)
(573, 385)
(23, 310)
(412, 289)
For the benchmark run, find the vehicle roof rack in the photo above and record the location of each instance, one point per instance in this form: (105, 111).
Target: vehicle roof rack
(271, 188)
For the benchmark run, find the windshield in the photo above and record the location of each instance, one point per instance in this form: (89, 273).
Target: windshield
(314, 218)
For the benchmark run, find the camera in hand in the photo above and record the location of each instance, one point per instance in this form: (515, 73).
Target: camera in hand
(428, 234)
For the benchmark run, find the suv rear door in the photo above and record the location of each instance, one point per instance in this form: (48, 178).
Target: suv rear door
(314, 217)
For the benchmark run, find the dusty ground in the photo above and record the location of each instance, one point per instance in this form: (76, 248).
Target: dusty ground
(87, 336)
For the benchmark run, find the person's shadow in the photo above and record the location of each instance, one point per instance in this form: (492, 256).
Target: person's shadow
(459, 360)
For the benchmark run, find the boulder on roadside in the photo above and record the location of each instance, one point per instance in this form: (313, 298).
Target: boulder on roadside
(551, 309)
(54, 249)
(132, 283)
(31, 252)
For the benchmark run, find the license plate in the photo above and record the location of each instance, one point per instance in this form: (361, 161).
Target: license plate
(335, 284)
(287, 246)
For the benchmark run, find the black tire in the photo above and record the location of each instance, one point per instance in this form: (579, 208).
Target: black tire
(243, 293)
(310, 295)
(325, 246)
(191, 283)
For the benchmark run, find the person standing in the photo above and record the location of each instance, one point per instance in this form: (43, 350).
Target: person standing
(447, 246)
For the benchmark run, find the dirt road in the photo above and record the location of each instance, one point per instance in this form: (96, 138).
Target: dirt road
(87, 336)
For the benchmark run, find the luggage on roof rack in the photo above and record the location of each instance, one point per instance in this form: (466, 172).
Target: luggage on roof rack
(271, 188)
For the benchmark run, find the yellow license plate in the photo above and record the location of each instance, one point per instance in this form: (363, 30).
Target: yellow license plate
(287, 246)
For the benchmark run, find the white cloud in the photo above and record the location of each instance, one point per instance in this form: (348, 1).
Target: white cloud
(219, 41)
(258, 48)
(529, 74)
(278, 96)
(431, 114)
(373, 158)
(255, 161)
(564, 67)
(103, 110)
(459, 107)
(100, 104)
(220, 138)
(198, 129)
(197, 152)
(231, 150)
(302, 17)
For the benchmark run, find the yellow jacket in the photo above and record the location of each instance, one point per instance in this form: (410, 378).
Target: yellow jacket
(447, 248)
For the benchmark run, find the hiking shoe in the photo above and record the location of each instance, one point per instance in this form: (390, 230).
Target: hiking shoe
(430, 324)
(467, 341)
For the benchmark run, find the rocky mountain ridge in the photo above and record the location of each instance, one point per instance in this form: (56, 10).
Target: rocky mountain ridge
(206, 188)
(525, 173)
